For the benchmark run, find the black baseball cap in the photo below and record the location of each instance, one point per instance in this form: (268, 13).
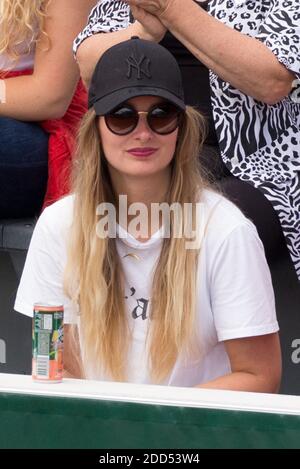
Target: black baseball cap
(135, 68)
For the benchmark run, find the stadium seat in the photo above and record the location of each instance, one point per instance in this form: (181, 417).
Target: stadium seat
(15, 329)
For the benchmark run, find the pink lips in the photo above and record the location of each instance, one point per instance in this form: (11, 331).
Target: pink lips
(142, 152)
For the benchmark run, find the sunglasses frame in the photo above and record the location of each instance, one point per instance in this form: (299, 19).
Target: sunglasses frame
(136, 114)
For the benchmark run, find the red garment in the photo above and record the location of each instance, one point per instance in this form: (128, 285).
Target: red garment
(62, 133)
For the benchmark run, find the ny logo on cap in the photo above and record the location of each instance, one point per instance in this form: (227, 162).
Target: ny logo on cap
(137, 65)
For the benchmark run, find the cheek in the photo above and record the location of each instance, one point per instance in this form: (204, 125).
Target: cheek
(109, 144)
(170, 145)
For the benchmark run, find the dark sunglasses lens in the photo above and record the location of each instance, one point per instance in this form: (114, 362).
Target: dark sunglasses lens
(164, 118)
(122, 121)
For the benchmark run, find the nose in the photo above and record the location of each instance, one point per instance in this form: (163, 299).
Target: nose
(142, 130)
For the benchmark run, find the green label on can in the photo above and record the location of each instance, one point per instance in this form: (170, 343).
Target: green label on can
(47, 345)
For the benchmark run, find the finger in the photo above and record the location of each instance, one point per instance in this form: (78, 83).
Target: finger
(133, 3)
(137, 13)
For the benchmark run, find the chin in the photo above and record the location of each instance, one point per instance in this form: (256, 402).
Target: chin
(143, 172)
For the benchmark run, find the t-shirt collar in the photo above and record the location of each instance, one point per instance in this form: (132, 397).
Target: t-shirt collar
(129, 240)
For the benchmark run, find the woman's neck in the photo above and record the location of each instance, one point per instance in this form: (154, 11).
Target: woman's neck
(144, 191)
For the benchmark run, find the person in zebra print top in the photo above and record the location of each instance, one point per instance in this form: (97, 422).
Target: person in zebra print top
(252, 51)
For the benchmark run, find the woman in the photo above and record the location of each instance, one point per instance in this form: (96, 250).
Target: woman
(240, 61)
(38, 78)
(153, 309)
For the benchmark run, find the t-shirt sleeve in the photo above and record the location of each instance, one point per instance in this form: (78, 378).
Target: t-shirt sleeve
(106, 17)
(280, 32)
(242, 295)
(42, 277)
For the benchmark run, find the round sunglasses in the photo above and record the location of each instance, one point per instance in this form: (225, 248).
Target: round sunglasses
(162, 118)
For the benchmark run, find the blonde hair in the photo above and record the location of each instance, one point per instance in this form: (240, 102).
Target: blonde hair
(94, 277)
(21, 22)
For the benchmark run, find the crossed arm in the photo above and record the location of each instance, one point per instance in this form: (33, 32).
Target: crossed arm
(47, 93)
(255, 363)
(245, 62)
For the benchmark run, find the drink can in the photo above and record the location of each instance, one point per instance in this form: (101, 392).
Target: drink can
(47, 342)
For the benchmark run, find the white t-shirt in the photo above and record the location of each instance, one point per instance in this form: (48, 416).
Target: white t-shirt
(26, 57)
(234, 291)
(25, 62)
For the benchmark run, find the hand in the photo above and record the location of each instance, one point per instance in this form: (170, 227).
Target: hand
(155, 7)
(149, 27)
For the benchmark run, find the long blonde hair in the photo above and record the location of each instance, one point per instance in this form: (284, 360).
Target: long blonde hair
(21, 22)
(94, 277)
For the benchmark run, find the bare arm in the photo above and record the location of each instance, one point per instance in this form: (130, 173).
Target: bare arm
(72, 360)
(46, 94)
(244, 62)
(255, 364)
(93, 47)
(90, 51)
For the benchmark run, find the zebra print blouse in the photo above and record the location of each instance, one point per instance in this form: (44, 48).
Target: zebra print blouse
(259, 143)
